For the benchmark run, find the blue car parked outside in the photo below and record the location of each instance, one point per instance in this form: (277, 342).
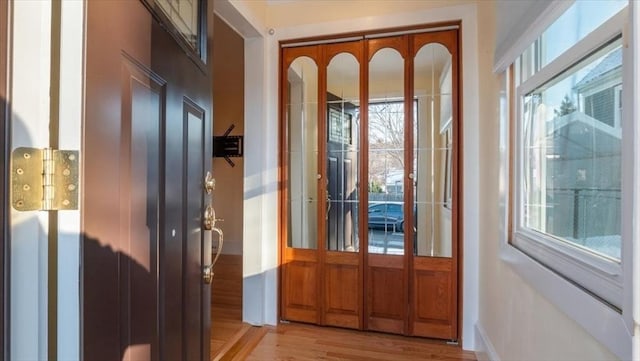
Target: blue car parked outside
(386, 215)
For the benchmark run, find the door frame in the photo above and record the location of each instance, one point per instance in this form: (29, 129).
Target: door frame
(4, 162)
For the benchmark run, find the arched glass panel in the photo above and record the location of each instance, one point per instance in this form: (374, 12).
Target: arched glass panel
(301, 108)
(432, 151)
(343, 127)
(386, 124)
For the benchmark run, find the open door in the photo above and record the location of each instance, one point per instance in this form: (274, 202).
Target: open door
(147, 146)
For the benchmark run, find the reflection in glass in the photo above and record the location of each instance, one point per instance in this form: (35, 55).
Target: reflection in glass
(343, 124)
(386, 133)
(184, 16)
(302, 145)
(572, 155)
(432, 147)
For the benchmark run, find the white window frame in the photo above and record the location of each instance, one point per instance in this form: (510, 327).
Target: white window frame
(593, 291)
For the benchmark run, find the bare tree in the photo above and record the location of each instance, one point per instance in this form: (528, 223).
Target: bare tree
(386, 140)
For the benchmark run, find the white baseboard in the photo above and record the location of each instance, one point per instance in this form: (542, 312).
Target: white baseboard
(485, 350)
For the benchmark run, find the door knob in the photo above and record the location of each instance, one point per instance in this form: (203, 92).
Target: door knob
(209, 183)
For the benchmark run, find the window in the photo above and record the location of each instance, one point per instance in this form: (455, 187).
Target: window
(571, 163)
(568, 167)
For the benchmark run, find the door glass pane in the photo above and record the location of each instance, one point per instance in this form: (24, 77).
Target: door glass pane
(343, 124)
(184, 16)
(432, 147)
(301, 108)
(386, 119)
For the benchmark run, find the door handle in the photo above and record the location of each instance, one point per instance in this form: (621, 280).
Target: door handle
(220, 244)
(209, 225)
(210, 219)
(328, 205)
(207, 272)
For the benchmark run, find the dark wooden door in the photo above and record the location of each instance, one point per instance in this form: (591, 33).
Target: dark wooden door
(146, 148)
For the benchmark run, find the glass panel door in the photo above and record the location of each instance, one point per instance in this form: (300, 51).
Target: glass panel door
(393, 268)
(385, 260)
(342, 258)
(301, 275)
(433, 222)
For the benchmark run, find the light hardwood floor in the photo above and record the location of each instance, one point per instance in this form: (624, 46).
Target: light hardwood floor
(306, 342)
(226, 305)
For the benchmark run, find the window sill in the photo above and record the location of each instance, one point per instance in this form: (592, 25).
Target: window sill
(598, 319)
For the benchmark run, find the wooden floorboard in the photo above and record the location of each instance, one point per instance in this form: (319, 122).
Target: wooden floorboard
(226, 305)
(307, 342)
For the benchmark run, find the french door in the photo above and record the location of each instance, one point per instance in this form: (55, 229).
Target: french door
(370, 135)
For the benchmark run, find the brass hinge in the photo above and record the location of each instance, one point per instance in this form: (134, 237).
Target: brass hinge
(44, 179)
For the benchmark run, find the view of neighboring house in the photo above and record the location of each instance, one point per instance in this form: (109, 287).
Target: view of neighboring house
(583, 160)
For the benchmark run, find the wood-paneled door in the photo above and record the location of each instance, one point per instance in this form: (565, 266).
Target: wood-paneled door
(147, 146)
(341, 259)
(303, 235)
(386, 263)
(432, 228)
(371, 123)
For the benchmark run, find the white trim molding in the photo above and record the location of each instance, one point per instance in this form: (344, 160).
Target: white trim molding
(485, 351)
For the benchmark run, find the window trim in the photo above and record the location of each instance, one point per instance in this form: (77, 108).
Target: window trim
(523, 249)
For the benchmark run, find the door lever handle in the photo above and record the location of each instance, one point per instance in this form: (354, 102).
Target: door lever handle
(220, 244)
(328, 205)
(209, 224)
(207, 272)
